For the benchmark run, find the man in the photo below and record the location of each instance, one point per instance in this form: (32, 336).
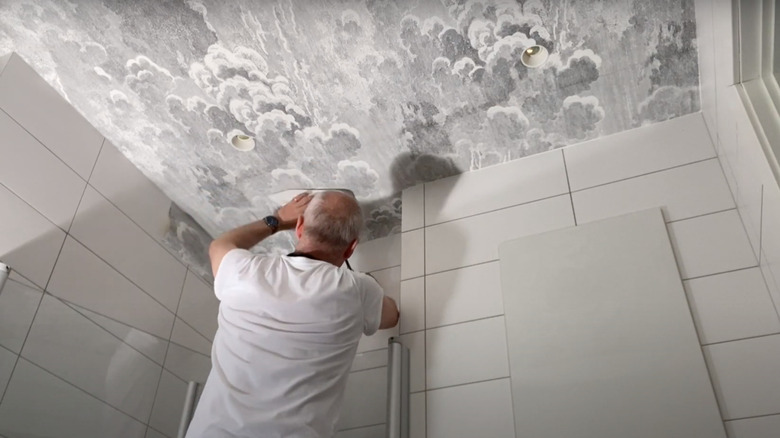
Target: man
(288, 326)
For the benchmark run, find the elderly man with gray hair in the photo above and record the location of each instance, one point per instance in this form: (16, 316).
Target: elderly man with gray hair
(288, 325)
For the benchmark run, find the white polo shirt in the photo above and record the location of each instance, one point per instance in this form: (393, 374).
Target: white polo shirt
(288, 332)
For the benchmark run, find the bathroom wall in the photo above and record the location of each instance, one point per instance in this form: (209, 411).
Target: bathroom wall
(451, 302)
(100, 325)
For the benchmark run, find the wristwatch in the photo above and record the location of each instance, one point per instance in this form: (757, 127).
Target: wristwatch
(272, 222)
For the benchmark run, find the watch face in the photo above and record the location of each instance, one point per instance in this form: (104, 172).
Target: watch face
(272, 221)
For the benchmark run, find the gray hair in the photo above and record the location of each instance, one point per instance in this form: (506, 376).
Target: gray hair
(333, 218)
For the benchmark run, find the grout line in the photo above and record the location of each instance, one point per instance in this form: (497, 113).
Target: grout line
(455, 269)
(546, 198)
(700, 215)
(568, 184)
(384, 269)
(677, 166)
(463, 322)
(467, 383)
(9, 350)
(425, 322)
(361, 427)
(368, 369)
(752, 417)
(84, 391)
(741, 339)
(760, 227)
(718, 273)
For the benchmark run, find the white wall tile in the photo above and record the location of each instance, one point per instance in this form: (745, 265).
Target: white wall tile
(744, 374)
(7, 362)
(770, 240)
(30, 170)
(184, 335)
(41, 405)
(638, 151)
(33, 245)
(365, 399)
(729, 106)
(18, 304)
(412, 254)
(363, 432)
(762, 427)
(368, 360)
(116, 239)
(475, 239)
(413, 208)
(83, 279)
(152, 346)
(27, 98)
(724, 43)
(151, 433)
(412, 305)
(417, 415)
(711, 244)
(478, 410)
(505, 185)
(116, 178)
(706, 52)
(463, 295)
(415, 342)
(4, 61)
(187, 364)
(377, 254)
(168, 404)
(199, 306)
(467, 352)
(77, 350)
(732, 306)
(682, 192)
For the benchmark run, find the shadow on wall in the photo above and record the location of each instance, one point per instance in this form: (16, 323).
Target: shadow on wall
(383, 215)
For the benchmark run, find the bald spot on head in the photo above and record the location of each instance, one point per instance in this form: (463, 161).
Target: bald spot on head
(333, 219)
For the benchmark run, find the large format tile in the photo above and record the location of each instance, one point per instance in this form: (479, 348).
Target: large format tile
(516, 182)
(744, 374)
(415, 342)
(199, 306)
(18, 304)
(412, 208)
(116, 239)
(706, 52)
(30, 170)
(27, 98)
(477, 410)
(362, 432)
(390, 281)
(151, 433)
(638, 151)
(762, 427)
(682, 192)
(467, 352)
(147, 344)
(365, 399)
(77, 350)
(83, 279)
(731, 306)
(187, 364)
(184, 335)
(412, 305)
(770, 240)
(7, 362)
(116, 178)
(413, 254)
(463, 294)
(168, 404)
(33, 245)
(38, 404)
(417, 415)
(711, 244)
(475, 239)
(377, 254)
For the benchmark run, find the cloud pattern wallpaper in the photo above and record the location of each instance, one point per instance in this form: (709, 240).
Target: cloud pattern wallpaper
(370, 95)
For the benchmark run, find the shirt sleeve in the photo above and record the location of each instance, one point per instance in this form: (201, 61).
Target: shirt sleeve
(372, 305)
(233, 270)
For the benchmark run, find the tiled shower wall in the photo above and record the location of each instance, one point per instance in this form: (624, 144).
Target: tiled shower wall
(100, 326)
(451, 302)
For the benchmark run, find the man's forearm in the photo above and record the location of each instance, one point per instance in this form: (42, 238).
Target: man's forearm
(246, 236)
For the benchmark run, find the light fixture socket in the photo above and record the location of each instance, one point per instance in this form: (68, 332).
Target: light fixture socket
(242, 142)
(534, 56)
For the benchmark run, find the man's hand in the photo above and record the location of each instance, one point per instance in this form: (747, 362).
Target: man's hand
(288, 214)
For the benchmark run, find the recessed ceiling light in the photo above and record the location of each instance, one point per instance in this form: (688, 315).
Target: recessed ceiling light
(534, 56)
(243, 142)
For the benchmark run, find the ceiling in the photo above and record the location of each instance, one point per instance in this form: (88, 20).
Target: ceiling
(371, 95)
